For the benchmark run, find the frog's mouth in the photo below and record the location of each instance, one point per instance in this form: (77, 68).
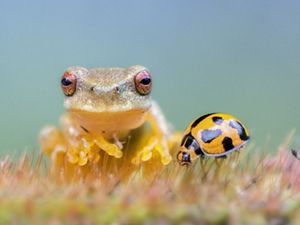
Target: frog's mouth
(106, 105)
(101, 122)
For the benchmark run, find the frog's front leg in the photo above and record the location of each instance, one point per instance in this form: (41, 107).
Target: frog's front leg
(54, 146)
(84, 146)
(159, 139)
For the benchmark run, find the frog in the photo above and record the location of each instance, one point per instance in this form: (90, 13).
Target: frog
(104, 107)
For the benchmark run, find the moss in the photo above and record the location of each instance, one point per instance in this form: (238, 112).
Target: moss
(249, 189)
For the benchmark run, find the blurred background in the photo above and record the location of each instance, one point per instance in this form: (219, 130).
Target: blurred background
(239, 57)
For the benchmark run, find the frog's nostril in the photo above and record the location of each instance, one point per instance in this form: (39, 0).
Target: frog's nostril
(92, 88)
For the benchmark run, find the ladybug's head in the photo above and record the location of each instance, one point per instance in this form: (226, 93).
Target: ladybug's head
(184, 158)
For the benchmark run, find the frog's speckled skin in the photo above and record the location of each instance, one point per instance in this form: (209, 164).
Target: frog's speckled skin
(107, 90)
(101, 115)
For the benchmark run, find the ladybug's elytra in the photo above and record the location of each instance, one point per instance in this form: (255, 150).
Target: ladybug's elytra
(214, 134)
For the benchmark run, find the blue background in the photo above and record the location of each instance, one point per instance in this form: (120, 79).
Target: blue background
(239, 57)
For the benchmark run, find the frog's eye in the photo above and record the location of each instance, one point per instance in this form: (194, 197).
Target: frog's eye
(143, 82)
(68, 83)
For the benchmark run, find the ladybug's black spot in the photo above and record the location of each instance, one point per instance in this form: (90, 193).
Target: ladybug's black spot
(218, 120)
(189, 141)
(199, 151)
(184, 139)
(208, 136)
(241, 130)
(227, 144)
(197, 121)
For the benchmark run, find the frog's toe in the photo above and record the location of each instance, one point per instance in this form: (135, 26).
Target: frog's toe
(94, 157)
(83, 154)
(83, 158)
(144, 155)
(109, 148)
(163, 150)
(72, 157)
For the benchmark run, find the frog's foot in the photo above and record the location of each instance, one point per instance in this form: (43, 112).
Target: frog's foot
(110, 148)
(88, 150)
(83, 156)
(85, 152)
(51, 140)
(157, 144)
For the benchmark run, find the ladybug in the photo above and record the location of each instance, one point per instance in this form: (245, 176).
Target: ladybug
(214, 134)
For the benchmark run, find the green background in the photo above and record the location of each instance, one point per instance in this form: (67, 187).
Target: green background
(239, 57)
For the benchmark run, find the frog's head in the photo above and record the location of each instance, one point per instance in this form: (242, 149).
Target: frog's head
(104, 92)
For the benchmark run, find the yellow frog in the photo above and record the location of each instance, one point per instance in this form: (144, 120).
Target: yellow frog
(108, 110)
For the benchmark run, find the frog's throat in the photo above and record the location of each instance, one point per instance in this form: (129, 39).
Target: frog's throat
(109, 122)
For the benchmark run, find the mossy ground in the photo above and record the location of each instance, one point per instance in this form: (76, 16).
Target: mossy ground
(242, 189)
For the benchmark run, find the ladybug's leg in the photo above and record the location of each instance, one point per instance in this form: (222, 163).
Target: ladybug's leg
(203, 163)
(219, 165)
(237, 155)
